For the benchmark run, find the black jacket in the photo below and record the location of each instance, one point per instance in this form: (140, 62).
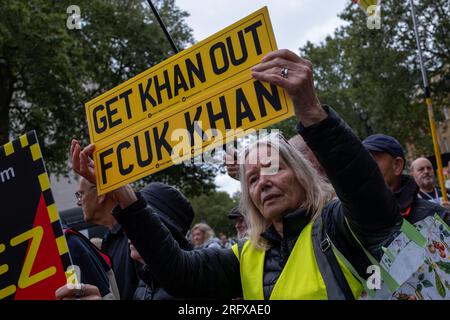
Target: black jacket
(115, 245)
(365, 201)
(85, 255)
(176, 212)
(148, 288)
(413, 208)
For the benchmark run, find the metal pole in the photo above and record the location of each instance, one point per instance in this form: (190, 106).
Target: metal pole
(429, 103)
(163, 27)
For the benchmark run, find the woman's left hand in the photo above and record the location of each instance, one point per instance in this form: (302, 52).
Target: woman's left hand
(294, 74)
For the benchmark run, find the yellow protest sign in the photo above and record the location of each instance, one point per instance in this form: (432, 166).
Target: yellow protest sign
(189, 130)
(182, 77)
(186, 105)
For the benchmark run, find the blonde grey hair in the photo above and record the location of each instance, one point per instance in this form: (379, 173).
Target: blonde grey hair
(205, 228)
(317, 191)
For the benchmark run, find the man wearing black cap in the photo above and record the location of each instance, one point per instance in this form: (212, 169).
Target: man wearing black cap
(239, 222)
(389, 155)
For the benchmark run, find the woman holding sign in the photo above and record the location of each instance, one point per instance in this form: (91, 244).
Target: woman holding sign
(301, 243)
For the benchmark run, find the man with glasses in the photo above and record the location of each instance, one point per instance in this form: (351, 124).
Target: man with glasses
(97, 210)
(94, 266)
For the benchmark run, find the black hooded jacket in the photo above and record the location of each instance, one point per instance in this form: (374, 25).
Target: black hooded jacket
(365, 201)
(176, 212)
(412, 207)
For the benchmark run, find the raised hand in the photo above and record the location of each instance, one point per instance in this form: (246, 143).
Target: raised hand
(82, 164)
(294, 74)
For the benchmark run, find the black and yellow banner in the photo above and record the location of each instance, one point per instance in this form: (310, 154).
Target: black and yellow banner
(33, 249)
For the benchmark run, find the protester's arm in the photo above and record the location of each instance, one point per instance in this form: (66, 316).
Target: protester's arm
(207, 273)
(368, 204)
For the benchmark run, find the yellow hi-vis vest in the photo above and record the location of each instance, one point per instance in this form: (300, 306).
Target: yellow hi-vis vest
(299, 280)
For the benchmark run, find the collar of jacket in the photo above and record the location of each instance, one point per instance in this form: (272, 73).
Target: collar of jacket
(293, 224)
(407, 193)
(116, 229)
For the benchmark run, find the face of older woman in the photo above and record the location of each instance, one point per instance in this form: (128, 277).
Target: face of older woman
(276, 193)
(198, 237)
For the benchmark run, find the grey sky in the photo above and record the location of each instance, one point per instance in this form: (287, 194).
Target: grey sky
(294, 22)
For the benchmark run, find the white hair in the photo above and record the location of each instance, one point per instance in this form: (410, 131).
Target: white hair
(317, 191)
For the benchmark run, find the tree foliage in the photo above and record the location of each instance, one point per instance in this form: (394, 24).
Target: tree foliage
(213, 208)
(48, 72)
(375, 73)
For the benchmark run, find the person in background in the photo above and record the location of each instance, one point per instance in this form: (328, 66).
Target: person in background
(447, 176)
(239, 222)
(224, 242)
(175, 210)
(94, 266)
(202, 237)
(97, 209)
(390, 158)
(300, 145)
(422, 171)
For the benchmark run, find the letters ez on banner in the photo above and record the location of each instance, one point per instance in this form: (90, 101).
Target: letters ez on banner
(33, 249)
(186, 120)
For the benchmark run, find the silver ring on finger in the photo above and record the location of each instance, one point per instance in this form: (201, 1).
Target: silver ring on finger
(284, 72)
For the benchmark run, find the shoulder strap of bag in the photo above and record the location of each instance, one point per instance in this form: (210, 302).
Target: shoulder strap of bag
(335, 281)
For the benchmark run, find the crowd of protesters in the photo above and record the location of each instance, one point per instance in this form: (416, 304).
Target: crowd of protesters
(329, 187)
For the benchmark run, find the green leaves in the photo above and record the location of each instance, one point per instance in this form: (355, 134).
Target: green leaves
(427, 284)
(439, 285)
(374, 74)
(53, 70)
(447, 285)
(213, 208)
(444, 266)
